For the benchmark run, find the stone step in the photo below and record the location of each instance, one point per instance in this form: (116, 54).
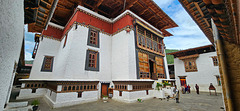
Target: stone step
(17, 104)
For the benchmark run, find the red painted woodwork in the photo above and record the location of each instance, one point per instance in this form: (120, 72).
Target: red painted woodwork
(90, 20)
(123, 22)
(86, 19)
(104, 89)
(53, 32)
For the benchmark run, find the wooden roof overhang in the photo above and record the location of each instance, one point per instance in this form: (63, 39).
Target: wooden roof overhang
(36, 14)
(146, 9)
(199, 13)
(224, 14)
(193, 51)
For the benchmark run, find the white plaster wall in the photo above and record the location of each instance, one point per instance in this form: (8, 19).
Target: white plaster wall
(27, 93)
(11, 36)
(124, 56)
(52, 96)
(203, 77)
(71, 98)
(47, 47)
(130, 97)
(76, 57)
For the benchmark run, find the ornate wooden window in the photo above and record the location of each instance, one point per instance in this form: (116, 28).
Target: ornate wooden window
(92, 61)
(149, 41)
(190, 65)
(190, 62)
(47, 64)
(160, 67)
(93, 38)
(215, 60)
(143, 65)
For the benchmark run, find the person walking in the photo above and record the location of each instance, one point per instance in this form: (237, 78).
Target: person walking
(189, 91)
(197, 89)
(177, 96)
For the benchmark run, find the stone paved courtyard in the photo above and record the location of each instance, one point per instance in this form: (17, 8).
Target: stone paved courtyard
(188, 102)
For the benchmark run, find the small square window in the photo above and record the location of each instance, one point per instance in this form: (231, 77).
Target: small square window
(93, 38)
(47, 64)
(215, 60)
(92, 61)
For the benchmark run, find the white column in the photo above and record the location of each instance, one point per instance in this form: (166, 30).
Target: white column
(166, 66)
(11, 37)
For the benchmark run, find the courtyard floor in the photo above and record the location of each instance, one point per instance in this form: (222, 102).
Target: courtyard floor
(188, 102)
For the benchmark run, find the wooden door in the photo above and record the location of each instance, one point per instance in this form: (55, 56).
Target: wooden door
(183, 82)
(104, 89)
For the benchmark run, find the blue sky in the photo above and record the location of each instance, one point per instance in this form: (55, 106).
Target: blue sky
(187, 35)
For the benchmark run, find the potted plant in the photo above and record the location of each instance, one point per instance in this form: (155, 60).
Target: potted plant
(139, 100)
(35, 104)
(158, 86)
(105, 97)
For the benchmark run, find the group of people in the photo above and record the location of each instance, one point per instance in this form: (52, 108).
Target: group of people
(185, 89)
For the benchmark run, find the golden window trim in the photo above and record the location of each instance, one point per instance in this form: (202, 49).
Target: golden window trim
(190, 65)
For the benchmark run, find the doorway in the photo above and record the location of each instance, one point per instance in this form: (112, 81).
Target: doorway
(104, 89)
(183, 81)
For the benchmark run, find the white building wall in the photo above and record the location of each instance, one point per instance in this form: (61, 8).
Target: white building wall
(47, 47)
(124, 56)
(75, 66)
(133, 96)
(203, 77)
(27, 93)
(71, 98)
(11, 37)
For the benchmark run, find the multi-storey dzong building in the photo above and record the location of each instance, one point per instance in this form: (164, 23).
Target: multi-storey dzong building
(197, 66)
(103, 45)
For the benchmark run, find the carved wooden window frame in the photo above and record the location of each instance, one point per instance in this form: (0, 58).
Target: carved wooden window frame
(47, 65)
(93, 38)
(215, 60)
(149, 41)
(190, 65)
(92, 61)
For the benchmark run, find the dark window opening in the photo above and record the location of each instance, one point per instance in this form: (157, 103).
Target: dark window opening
(79, 94)
(69, 88)
(120, 93)
(34, 90)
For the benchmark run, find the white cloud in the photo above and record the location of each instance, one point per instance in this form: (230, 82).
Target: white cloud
(188, 34)
(163, 3)
(28, 56)
(29, 45)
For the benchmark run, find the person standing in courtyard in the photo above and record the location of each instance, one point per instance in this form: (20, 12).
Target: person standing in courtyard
(186, 89)
(189, 88)
(177, 96)
(197, 88)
